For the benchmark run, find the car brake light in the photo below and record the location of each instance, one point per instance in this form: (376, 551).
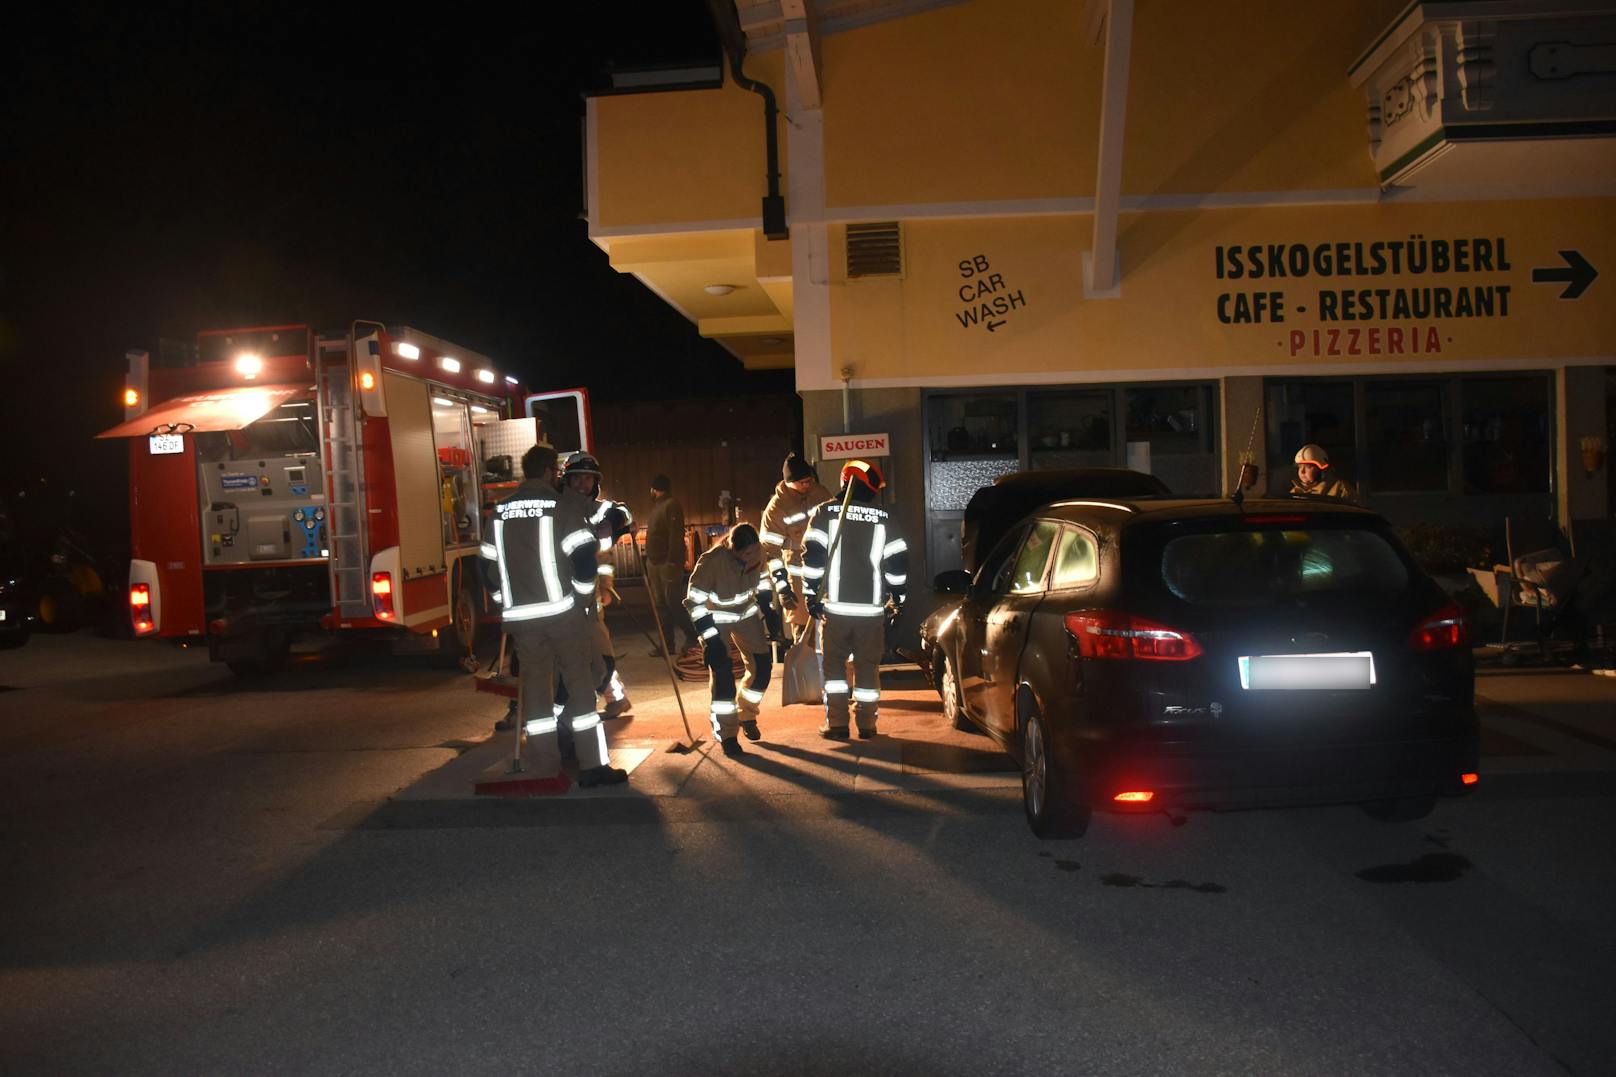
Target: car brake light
(140, 611)
(1140, 796)
(1470, 779)
(381, 595)
(1109, 634)
(1298, 519)
(1441, 631)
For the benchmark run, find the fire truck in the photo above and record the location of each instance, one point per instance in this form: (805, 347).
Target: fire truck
(286, 484)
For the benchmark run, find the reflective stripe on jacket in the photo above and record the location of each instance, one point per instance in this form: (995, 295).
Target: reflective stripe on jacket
(724, 592)
(870, 561)
(545, 567)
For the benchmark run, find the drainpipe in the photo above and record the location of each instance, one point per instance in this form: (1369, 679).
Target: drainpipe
(847, 396)
(728, 25)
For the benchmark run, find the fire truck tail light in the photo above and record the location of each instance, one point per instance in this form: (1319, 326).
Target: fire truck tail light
(131, 397)
(249, 366)
(367, 381)
(140, 612)
(381, 595)
(1137, 796)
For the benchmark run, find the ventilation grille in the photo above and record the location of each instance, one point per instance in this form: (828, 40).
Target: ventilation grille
(875, 250)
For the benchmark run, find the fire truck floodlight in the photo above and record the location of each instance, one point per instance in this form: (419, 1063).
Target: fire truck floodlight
(450, 363)
(443, 402)
(406, 351)
(249, 365)
(485, 376)
(510, 380)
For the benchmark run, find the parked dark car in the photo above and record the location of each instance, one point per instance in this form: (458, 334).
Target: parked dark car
(1179, 654)
(18, 598)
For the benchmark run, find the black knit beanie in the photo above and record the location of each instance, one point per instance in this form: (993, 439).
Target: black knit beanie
(796, 468)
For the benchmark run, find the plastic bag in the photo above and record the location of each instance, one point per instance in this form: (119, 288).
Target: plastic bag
(801, 679)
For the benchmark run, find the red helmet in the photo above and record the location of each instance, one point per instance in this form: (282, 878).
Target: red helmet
(864, 471)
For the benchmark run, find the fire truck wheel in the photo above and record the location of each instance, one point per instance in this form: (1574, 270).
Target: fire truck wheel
(457, 639)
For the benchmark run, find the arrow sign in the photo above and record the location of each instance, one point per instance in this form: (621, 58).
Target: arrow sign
(1577, 275)
(993, 327)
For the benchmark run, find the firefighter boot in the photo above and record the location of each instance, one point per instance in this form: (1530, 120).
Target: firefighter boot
(732, 747)
(751, 730)
(602, 775)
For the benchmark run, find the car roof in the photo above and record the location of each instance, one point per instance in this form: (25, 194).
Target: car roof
(1132, 510)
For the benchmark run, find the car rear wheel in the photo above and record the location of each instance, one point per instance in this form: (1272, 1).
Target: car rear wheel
(1046, 789)
(1403, 810)
(953, 709)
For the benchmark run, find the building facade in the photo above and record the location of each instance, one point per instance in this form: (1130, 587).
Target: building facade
(1037, 233)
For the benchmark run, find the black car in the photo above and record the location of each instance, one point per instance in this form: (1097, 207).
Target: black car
(994, 509)
(1178, 654)
(17, 594)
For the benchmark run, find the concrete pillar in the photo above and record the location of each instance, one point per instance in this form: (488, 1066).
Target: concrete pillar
(1241, 397)
(1580, 412)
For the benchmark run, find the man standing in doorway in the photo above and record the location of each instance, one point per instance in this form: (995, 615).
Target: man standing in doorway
(665, 565)
(854, 575)
(785, 522)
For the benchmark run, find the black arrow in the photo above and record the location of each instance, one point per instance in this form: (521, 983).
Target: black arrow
(993, 327)
(1577, 275)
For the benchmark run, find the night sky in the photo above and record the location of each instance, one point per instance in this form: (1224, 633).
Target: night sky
(174, 168)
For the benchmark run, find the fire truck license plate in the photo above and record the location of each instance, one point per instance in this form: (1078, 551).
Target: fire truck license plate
(167, 444)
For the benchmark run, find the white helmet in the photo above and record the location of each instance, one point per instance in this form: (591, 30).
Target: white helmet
(1313, 454)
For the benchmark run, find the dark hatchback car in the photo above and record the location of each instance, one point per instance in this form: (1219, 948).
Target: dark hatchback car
(18, 597)
(1178, 654)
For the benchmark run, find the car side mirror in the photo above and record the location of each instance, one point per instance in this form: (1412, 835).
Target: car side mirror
(953, 582)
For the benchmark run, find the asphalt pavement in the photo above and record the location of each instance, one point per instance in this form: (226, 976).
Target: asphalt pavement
(207, 875)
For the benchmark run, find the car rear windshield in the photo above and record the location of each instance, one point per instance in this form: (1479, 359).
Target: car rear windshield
(1250, 566)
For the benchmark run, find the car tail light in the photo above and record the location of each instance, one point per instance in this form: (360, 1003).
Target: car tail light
(1108, 634)
(1441, 631)
(381, 595)
(140, 611)
(1297, 519)
(1138, 796)
(1469, 779)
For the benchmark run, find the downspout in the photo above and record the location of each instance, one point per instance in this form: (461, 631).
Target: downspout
(733, 41)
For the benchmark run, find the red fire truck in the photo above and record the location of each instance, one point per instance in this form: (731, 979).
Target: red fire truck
(286, 484)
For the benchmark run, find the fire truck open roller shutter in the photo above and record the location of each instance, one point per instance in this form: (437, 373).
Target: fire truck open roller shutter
(213, 410)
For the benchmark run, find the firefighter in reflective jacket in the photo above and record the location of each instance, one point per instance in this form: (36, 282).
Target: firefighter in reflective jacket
(785, 522)
(610, 521)
(855, 569)
(728, 591)
(546, 583)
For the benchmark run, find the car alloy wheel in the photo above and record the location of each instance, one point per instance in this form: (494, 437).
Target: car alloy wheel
(953, 708)
(1034, 769)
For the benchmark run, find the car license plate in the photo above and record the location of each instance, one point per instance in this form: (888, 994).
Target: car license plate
(1307, 672)
(166, 444)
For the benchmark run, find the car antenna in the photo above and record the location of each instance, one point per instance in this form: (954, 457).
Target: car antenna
(1247, 477)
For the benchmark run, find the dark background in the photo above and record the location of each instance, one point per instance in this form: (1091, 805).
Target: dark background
(171, 168)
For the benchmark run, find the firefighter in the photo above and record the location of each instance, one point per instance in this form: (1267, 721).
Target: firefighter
(1312, 467)
(855, 570)
(546, 582)
(785, 521)
(610, 521)
(727, 592)
(665, 566)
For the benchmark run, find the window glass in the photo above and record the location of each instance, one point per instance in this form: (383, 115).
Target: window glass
(1077, 559)
(1407, 436)
(457, 475)
(1248, 568)
(1302, 413)
(972, 426)
(996, 565)
(1504, 427)
(1171, 433)
(1027, 573)
(1070, 429)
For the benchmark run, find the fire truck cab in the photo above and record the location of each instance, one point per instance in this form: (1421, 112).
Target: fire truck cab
(287, 484)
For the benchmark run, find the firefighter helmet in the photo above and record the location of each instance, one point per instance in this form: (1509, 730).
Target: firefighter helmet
(864, 471)
(1313, 454)
(580, 463)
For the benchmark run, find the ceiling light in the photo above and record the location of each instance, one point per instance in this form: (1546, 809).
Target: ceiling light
(774, 342)
(479, 409)
(406, 351)
(443, 402)
(450, 363)
(719, 289)
(485, 376)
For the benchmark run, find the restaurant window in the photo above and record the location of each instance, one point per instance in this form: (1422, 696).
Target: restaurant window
(1070, 429)
(1407, 436)
(973, 439)
(1310, 413)
(1504, 428)
(1171, 433)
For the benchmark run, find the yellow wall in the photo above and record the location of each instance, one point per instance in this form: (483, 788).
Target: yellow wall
(698, 155)
(1167, 316)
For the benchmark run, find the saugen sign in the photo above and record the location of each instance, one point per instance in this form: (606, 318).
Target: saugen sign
(848, 446)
